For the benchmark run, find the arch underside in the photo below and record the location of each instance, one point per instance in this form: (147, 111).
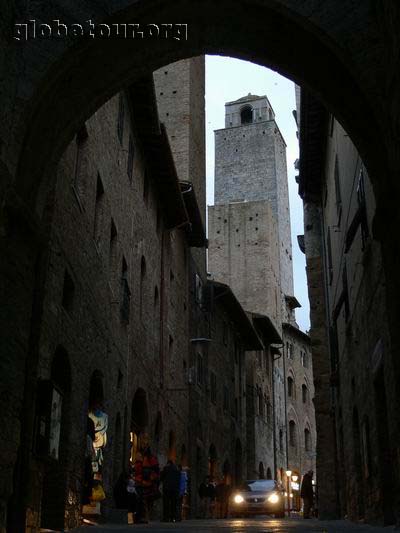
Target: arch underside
(267, 33)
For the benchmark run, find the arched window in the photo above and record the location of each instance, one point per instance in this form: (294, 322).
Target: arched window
(304, 393)
(246, 115)
(292, 433)
(139, 420)
(269, 473)
(307, 440)
(261, 472)
(290, 387)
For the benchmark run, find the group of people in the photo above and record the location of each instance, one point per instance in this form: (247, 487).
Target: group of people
(138, 489)
(214, 498)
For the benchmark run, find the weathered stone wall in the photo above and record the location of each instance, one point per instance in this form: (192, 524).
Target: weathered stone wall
(361, 342)
(243, 252)
(325, 444)
(300, 406)
(259, 404)
(91, 331)
(180, 90)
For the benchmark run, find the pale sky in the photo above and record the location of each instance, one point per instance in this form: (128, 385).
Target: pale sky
(228, 79)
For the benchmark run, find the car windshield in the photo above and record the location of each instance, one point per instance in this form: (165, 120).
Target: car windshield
(261, 485)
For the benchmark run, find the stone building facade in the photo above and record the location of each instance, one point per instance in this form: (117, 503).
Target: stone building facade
(356, 439)
(250, 247)
(128, 325)
(114, 324)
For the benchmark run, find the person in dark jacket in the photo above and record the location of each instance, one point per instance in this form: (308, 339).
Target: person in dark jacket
(170, 478)
(307, 493)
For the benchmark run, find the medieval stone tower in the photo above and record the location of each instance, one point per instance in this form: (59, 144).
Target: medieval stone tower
(250, 248)
(251, 183)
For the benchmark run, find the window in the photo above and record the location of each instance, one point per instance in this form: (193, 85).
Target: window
(99, 212)
(68, 293)
(246, 115)
(200, 369)
(289, 350)
(290, 387)
(337, 189)
(213, 387)
(307, 440)
(131, 155)
(304, 393)
(120, 121)
(292, 433)
(125, 293)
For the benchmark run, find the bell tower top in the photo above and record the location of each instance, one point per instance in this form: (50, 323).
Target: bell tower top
(247, 110)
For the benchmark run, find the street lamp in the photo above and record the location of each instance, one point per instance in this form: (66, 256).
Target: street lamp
(288, 474)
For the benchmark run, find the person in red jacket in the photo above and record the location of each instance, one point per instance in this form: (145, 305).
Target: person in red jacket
(147, 480)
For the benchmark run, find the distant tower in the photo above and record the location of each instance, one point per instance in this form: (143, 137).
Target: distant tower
(250, 166)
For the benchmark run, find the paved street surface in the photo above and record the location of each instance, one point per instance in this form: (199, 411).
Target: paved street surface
(253, 525)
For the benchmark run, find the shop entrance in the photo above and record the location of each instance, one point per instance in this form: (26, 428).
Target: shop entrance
(139, 421)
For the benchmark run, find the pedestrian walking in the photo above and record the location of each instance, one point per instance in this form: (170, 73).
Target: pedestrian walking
(170, 479)
(307, 493)
(147, 480)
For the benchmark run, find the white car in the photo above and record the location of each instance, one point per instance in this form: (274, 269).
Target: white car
(256, 497)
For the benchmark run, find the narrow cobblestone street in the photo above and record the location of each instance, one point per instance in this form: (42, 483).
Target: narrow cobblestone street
(253, 525)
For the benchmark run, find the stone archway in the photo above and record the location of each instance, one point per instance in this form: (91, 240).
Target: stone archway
(49, 100)
(66, 87)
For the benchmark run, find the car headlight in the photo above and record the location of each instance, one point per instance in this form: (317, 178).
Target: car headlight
(274, 498)
(238, 498)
